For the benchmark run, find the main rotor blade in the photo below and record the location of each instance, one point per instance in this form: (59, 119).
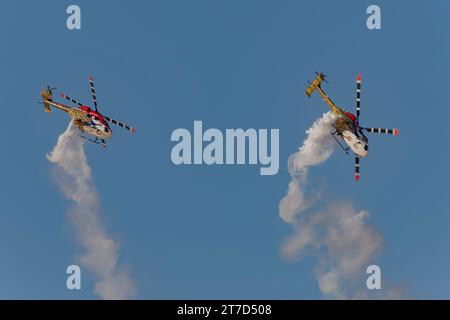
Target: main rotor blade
(394, 131)
(94, 97)
(71, 100)
(120, 124)
(357, 174)
(358, 96)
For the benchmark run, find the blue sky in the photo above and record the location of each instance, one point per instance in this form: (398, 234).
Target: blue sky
(214, 232)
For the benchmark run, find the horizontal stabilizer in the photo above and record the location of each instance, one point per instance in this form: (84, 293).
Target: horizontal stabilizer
(315, 84)
(47, 97)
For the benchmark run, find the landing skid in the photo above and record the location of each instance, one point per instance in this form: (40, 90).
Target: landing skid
(339, 143)
(101, 142)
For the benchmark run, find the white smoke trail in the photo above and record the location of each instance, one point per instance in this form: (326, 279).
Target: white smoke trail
(74, 178)
(317, 148)
(344, 243)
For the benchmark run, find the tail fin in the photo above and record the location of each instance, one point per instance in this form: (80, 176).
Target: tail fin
(47, 97)
(315, 84)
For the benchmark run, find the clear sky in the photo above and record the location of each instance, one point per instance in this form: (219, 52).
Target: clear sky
(214, 232)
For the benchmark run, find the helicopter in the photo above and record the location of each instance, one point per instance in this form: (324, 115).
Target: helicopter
(89, 121)
(347, 125)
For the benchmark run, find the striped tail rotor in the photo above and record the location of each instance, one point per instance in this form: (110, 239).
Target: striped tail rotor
(394, 131)
(357, 166)
(120, 124)
(358, 96)
(71, 100)
(94, 97)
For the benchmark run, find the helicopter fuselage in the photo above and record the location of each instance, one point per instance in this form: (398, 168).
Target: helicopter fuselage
(350, 131)
(96, 124)
(357, 144)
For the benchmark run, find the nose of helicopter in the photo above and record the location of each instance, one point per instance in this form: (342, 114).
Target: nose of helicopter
(363, 149)
(108, 132)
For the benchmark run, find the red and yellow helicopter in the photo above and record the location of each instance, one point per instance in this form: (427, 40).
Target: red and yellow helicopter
(347, 124)
(87, 120)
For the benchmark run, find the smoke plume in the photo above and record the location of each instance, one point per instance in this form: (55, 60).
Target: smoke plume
(73, 176)
(345, 245)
